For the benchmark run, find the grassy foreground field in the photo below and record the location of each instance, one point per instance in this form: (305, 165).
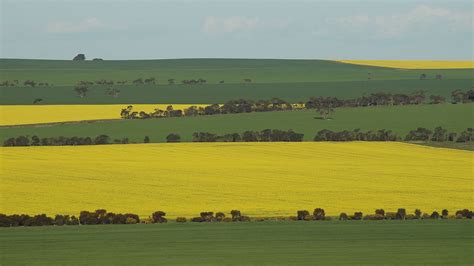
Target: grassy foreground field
(400, 119)
(260, 179)
(68, 72)
(295, 243)
(214, 93)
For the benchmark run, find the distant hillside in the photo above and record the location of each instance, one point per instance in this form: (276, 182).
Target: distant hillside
(222, 79)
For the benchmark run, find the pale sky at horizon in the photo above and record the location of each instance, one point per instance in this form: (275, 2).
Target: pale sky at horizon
(367, 29)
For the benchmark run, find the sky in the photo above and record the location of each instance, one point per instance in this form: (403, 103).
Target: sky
(114, 30)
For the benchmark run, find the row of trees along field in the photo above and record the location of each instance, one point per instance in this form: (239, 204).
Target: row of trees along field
(324, 105)
(266, 135)
(439, 134)
(153, 81)
(101, 216)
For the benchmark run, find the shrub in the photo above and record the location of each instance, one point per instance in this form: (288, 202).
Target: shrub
(207, 216)
(158, 217)
(79, 57)
(390, 215)
(173, 138)
(465, 213)
(86, 217)
(197, 219)
(343, 217)
(131, 220)
(319, 214)
(181, 219)
(434, 215)
(235, 215)
(357, 216)
(73, 221)
(133, 216)
(244, 218)
(374, 217)
(39, 220)
(101, 213)
(380, 212)
(118, 219)
(5, 221)
(401, 214)
(22, 141)
(60, 219)
(220, 216)
(148, 220)
(227, 220)
(102, 139)
(301, 215)
(444, 213)
(425, 216)
(146, 139)
(417, 213)
(291, 218)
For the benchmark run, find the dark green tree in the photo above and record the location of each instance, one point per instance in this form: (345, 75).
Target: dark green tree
(173, 138)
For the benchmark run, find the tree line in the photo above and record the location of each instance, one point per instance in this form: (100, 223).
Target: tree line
(266, 135)
(323, 105)
(31, 83)
(380, 214)
(62, 141)
(101, 216)
(439, 134)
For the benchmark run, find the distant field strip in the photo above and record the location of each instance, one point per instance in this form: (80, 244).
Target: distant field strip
(400, 119)
(413, 64)
(36, 114)
(260, 179)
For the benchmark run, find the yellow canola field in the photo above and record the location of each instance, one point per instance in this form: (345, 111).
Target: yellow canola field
(35, 114)
(260, 179)
(413, 64)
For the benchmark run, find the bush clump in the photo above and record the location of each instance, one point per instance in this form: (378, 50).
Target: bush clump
(181, 219)
(159, 217)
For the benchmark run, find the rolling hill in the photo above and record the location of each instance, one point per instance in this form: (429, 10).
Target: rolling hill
(292, 80)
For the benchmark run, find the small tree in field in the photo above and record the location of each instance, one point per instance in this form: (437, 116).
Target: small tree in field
(113, 92)
(301, 215)
(325, 111)
(236, 215)
(418, 213)
(445, 213)
(79, 57)
(81, 90)
(159, 217)
(319, 214)
(343, 216)
(173, 138)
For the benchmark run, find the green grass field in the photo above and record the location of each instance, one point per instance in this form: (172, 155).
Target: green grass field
(400, 119)
(68, 72)
(292, 80)
(384, 242)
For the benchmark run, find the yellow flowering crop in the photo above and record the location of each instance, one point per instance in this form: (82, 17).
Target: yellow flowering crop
(413, 64)
(35, 114)
(260, 179)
